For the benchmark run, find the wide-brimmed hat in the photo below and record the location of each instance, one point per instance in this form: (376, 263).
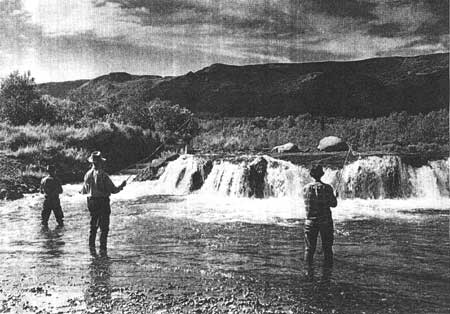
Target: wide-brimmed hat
(96, 156)
(316, 171)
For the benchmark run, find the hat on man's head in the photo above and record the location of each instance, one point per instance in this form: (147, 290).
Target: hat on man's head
(96, 156)
(316, 171)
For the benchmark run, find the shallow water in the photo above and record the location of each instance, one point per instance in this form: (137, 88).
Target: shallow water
(215, 254)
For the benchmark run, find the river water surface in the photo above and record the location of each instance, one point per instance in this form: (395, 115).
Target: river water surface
(206, 253)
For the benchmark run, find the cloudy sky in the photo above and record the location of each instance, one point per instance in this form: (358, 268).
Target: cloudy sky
(71, 39)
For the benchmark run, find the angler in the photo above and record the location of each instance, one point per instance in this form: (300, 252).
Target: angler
(98, 186)
(51, 188)
(319, 197)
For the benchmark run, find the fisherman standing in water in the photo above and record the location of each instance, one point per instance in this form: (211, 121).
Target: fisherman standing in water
(319, 197)
(51, 188)
(99, 187)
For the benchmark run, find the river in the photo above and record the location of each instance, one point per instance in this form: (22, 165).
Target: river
(216, 250)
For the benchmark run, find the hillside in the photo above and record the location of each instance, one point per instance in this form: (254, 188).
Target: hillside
(367, 88)
(60, 89)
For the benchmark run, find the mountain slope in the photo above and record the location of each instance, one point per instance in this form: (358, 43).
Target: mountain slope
(365, 88)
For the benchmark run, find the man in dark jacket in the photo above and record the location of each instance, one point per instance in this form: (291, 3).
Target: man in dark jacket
(51, 188)
(319, 197)
(98, 186)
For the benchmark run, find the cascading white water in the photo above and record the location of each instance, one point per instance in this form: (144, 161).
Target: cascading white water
(375, 177)
(285, 179)
(179, 176)
(441, 170)
(367, 178)
(424, 183)
(226, 178)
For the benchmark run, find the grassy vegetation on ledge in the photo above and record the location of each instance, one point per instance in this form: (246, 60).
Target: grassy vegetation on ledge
(398, 132)
(68, 147)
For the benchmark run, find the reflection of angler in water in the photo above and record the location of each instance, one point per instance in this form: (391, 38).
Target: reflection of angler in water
(50, 258)
(53, 242)
(98, 293)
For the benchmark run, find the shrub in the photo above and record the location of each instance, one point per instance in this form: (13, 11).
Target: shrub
(21, 101)
(172, 122)
(392, 133)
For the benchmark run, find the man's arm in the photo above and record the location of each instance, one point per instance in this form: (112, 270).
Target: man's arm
(42, 186)
(111, 187)
(331, 198)
(60, 189)
(85, 188)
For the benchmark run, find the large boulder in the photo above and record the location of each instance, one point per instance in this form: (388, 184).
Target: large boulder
(332, 144)
(256, 174)
(285, 148)
(198, 177)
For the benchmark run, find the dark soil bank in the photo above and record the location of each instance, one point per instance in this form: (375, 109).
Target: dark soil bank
(166, 265)
(13, 183)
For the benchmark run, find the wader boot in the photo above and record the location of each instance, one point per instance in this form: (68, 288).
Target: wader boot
(92, 236)
(103, 240)
(59, 216)
(45, 215)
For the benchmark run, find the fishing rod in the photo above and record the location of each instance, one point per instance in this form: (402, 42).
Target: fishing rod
(154, 152)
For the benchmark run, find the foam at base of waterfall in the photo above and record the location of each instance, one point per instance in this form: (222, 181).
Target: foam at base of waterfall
(290, 211)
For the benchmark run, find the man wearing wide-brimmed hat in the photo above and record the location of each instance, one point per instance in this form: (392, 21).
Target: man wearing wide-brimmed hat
(98, 186)
(318, 197)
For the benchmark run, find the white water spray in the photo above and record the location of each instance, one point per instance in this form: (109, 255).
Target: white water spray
(368, 178)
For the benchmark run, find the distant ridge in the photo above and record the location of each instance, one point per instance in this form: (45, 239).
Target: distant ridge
(365, 88)
(60, 89)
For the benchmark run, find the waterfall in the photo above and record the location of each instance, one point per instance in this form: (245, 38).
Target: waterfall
(373, 177)
(441, 170)
(285, 179)
(184, 175)
(226, 178)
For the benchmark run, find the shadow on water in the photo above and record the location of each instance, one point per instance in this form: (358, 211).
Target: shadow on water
(53, 242)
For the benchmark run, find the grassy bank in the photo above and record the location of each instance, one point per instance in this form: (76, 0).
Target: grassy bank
(26, 150)
(398, 132)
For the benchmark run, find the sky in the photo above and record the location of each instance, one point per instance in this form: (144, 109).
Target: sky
(59, 40)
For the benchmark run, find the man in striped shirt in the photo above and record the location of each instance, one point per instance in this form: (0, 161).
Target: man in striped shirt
(319, 197)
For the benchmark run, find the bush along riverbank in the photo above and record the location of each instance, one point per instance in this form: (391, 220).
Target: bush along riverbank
(396, 133)
(26, 150)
